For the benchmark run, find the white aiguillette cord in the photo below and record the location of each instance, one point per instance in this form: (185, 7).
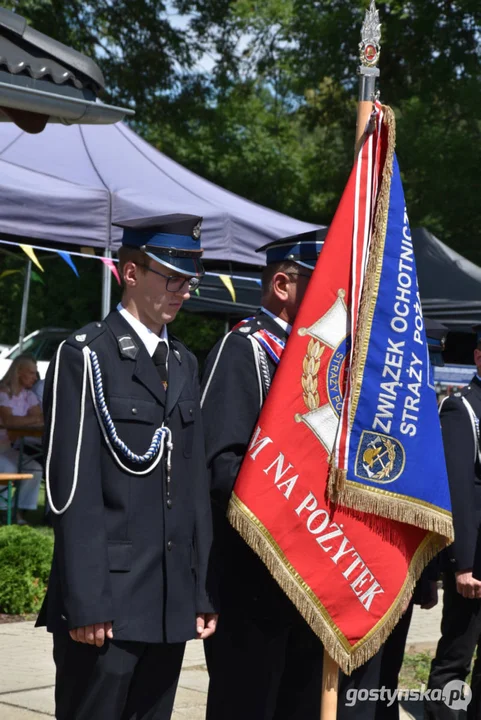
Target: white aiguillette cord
(162, 436)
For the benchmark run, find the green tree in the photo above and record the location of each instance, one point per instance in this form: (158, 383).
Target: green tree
(273, 117)
(430, 74)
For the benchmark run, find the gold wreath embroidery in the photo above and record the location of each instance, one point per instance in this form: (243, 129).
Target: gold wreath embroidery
(391, 455)
(310, 368)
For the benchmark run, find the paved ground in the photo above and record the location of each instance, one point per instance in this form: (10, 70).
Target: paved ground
(27, 675)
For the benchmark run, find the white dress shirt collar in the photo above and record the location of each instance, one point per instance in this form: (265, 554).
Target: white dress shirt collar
(282, 323)
(149, 338)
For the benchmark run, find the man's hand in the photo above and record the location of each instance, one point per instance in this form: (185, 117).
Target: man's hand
(93, 634)
(206, 624)
(467, 586)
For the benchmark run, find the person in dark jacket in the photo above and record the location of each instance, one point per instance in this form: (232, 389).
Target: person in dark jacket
(128, 490)
(461, 619)
(382, 670)
(264, 662)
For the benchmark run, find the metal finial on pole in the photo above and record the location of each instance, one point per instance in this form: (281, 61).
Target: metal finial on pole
(369, 51)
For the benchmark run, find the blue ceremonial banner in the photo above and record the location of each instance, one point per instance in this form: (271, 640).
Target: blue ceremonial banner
(389, 456)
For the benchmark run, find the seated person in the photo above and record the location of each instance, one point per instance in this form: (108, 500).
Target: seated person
(38, 389)
(19, 407)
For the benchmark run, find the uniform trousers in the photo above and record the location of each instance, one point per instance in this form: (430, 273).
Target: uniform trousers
(381, 671)
(119, 681)
(27, 489)
(460, 634)
(261, 669)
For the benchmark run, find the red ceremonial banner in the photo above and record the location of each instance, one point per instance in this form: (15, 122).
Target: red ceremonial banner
(349, 573)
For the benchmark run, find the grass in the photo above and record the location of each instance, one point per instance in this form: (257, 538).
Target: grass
(415, 670)
(36, 518)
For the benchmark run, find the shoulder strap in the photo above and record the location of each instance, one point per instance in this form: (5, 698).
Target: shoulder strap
(260, 363)
(263, 374)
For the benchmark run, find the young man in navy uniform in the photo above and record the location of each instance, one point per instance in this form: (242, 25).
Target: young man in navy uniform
(461, 620)
(264, 661)
(128, 489)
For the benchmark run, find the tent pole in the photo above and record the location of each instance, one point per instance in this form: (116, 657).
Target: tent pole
(106, 285)
(26, 293)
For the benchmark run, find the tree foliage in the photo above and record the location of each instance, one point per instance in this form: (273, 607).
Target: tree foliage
(26, 560)
(260, 97)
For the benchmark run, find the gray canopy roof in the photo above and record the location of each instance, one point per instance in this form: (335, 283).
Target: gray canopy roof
(69, 184)
(450, 285)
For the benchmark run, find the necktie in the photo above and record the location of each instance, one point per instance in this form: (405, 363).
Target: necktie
(160, 361)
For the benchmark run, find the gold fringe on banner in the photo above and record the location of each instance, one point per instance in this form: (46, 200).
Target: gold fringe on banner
(309, 605)
(337, 482)
(341, 490)
(391, 506)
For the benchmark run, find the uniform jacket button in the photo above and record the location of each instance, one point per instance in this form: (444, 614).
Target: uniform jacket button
(169, 503)
(170, 545)
(134, 411)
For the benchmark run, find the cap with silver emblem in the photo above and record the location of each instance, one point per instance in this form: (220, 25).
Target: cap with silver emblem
(172, 240)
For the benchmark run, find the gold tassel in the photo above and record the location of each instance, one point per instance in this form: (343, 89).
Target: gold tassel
(336, 482)
(397, 507)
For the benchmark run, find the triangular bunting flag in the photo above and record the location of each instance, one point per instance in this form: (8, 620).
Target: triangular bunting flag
(30, 252)
(68, 259)
(230, 287)
(110, 264)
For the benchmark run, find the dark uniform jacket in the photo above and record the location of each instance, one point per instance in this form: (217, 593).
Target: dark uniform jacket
(464, 473)
(123, 552)
(231, 403)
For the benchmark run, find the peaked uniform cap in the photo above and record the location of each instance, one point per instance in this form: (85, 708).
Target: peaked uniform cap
(302, 249)
(477, 330)
(172, 240)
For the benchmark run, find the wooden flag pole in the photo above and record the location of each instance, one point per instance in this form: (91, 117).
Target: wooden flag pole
(364, 110)
(330, 681)
(368, 71)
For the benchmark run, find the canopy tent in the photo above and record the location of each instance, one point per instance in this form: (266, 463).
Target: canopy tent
(69, 184)
(65, 186)
(450, 285)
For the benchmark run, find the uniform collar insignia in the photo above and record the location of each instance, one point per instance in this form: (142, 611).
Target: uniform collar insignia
(127, 346)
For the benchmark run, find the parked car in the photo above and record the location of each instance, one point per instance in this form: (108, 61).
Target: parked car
(41, 344)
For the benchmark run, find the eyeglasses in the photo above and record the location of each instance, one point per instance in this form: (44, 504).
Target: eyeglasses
(293, 274)
(176, 283)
